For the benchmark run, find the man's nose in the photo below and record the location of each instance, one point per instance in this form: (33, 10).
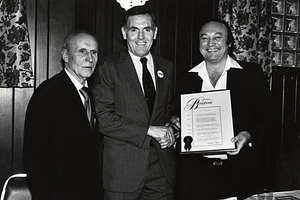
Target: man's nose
(211, 42)
(89, 57)
(141, 35)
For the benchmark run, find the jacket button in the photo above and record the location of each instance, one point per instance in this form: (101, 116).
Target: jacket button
(146, 149)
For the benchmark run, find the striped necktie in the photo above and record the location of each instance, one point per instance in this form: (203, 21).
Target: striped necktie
(87, 104)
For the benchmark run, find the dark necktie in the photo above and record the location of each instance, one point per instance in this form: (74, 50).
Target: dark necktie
(87, 104)
(148, 85)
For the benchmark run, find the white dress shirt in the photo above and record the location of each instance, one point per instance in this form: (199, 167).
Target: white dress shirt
(222, 82)
(220, 85)
(139, 67)
(77, 84)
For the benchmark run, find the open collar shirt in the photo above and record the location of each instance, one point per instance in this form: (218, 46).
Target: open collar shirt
(221, 83)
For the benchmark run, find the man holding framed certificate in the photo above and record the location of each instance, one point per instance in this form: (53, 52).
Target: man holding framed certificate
(225, 110)
(206, 120)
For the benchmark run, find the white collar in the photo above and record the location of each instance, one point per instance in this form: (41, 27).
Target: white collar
(137, 58)
(77, 84)
(230, 63)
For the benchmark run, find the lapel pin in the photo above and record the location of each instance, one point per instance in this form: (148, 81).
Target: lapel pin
(160, 74)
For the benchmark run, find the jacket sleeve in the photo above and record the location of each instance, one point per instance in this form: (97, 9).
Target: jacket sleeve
(37, 160)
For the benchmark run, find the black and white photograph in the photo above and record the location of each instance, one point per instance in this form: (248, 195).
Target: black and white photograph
(149, 99)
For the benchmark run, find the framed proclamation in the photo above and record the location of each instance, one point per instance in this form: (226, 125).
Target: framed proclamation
(206, 122)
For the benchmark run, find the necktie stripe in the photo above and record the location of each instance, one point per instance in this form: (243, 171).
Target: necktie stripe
(87, 104)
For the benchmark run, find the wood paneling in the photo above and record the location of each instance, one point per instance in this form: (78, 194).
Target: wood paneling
(166, 37)
(285, 87)
(184, 35)
(87, 19)
(6, 127)
(103, 33)
(61, 22)
(286, 136)
(41, 27)
(200, 9)
(21, 99)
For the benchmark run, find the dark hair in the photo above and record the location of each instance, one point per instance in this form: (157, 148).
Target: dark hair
(138, 10)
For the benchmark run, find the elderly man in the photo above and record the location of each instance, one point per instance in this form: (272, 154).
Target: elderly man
(60, 145)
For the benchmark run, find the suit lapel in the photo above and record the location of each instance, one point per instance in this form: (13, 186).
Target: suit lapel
(197, 86)
(159, 80)
(126, 67)
(72, 91)
(233, 77)
(75, 99)
(194, 83)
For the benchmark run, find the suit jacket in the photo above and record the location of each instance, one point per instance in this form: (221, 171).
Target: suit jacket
(124, 120)
(60, 148)
(252, 111)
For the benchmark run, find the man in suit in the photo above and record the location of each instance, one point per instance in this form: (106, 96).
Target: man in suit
(138, 157)
(60, 143)
(234, 173)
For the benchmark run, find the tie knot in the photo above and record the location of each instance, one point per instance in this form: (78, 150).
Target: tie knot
(85, 92)
(144, 61)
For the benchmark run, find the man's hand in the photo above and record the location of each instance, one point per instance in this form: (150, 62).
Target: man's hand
(164, 135)
(169, 140)
(175, 124)
(241, 140)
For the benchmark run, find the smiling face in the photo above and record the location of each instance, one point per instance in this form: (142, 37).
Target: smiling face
(81, 56)
(139, 33)
(213, 42)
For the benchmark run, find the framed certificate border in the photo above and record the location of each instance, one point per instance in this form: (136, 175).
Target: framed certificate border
(206, 122)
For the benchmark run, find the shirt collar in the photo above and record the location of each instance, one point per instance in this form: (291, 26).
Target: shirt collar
(77, 84)
(230, 63)
(137, 58)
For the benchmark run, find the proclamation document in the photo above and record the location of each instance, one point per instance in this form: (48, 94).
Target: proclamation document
(206, 122)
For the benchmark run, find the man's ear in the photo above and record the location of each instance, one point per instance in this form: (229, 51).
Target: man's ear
(65, 55)
(155, 33)
(123, 30)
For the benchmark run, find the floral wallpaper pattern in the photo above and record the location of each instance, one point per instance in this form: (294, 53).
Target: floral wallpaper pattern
(251, 28)
(15, 55)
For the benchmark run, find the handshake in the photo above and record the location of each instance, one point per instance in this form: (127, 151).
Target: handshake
(166, 135)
